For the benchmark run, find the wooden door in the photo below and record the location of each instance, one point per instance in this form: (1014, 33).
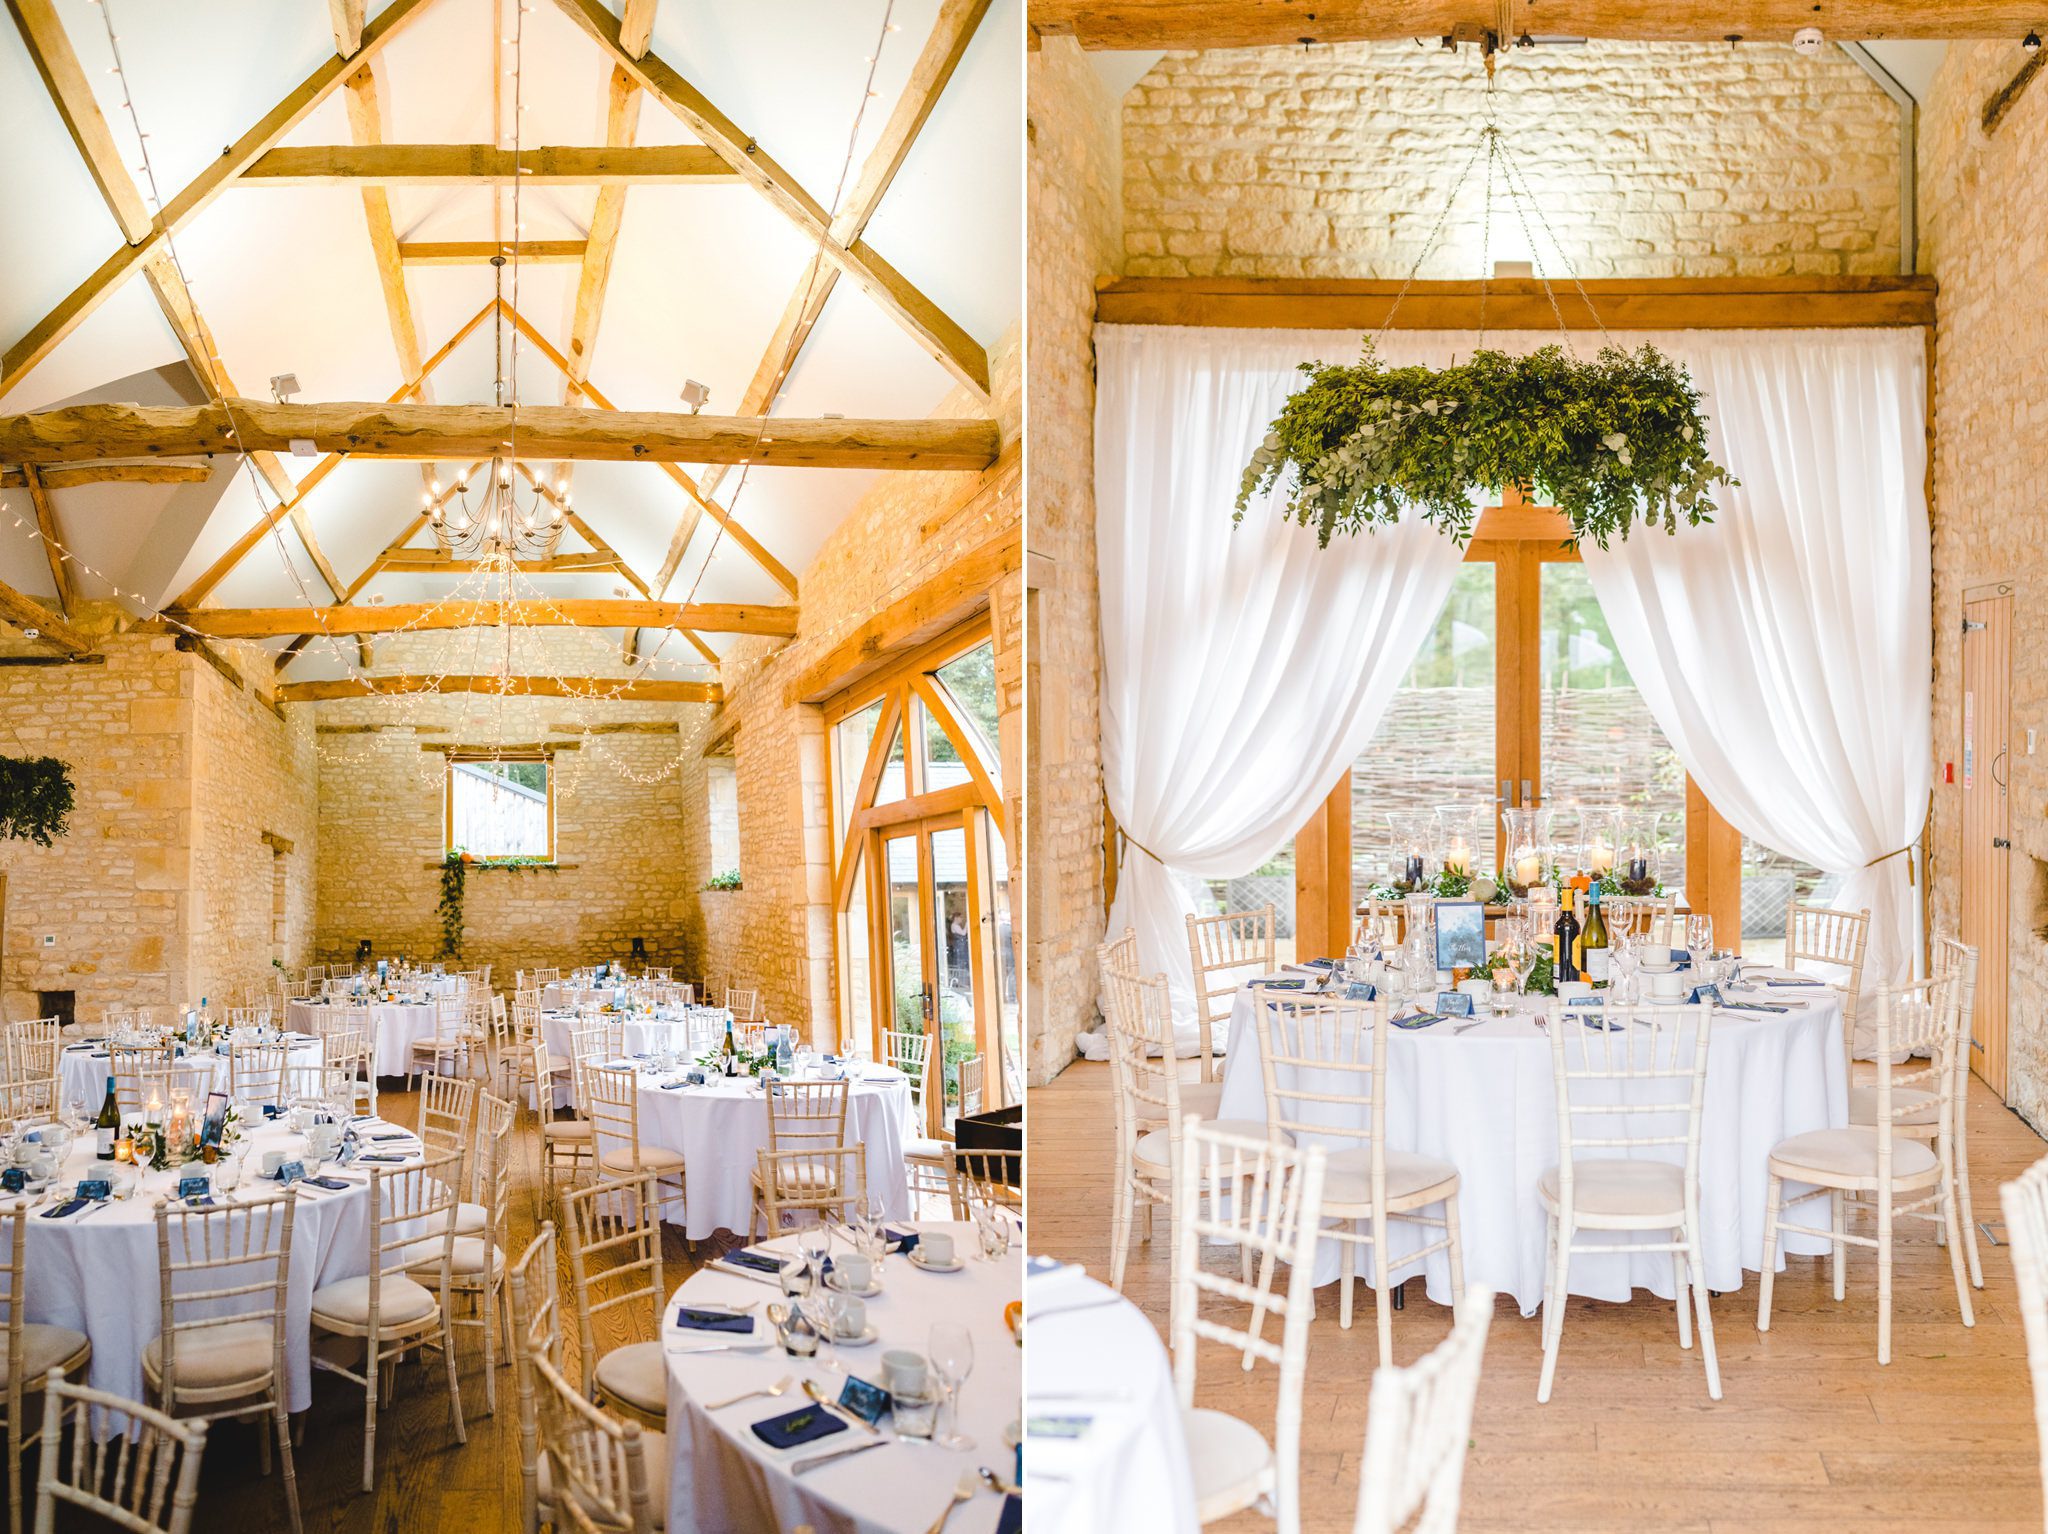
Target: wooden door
(1986, 769)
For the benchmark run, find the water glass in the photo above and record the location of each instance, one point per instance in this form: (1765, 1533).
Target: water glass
(827, 1308)
(951, 1348)
(914, 1412)
(1699, 935)
(993, 1226)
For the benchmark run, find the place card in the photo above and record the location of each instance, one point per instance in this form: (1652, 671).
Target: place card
(1453, 1004)
(14, 1179)
(1702, 993)
(291, 1172)
(1586, 1001)
(1358, 990)
(864, 1399)
(95, 1187)
(194, 1187)
(1460, 934)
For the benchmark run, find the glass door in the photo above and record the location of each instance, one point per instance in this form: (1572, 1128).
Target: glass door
(908, 916)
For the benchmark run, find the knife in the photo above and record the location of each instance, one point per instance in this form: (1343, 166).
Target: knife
(759, 1278)
(815, 1460)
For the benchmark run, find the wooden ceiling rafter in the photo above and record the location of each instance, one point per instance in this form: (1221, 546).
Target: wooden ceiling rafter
(479, 252)
(111, 474)
(942, 338)
(616, 689)
(52, 539)
(382, 164)
(779, 622)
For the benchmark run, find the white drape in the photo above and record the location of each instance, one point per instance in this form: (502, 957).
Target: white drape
(1784, 651)
(1242, 669)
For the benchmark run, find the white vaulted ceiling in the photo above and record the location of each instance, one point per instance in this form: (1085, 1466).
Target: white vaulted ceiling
(286, 278)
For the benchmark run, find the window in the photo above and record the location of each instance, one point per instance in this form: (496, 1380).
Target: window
(501, 807)
(722, 815)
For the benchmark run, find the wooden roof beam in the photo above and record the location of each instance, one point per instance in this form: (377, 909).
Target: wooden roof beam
(111, 474)
(26, 613)
(479, 252)
(46, 523)
(488, 164)
(584, 612)
(601, 688)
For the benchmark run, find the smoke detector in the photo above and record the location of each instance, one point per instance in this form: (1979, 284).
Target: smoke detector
(1808, 40)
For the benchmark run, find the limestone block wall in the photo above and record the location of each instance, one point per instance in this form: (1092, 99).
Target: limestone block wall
(163, 891)
(619, 818)
(776, 934)
(1075, 233)
(1648, 160)
(1984, 235)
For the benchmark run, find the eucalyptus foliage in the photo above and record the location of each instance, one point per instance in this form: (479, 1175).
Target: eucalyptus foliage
(36, 798)
(1613, 443)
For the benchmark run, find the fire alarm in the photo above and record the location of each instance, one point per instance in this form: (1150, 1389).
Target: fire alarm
(1948, 772)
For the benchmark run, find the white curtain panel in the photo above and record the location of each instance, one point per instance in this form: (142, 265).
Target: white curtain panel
(1784, 650)
(1243, 669)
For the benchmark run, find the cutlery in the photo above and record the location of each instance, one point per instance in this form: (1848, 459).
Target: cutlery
(970, 1483)
(670, 1347)
(775, 1389)
(832, 1406)
(1033, 1314)
(811, 1463)
(725, 1267)
(995, 1483)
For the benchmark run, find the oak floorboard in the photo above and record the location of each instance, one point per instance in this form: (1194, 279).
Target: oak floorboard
(1811, 1435)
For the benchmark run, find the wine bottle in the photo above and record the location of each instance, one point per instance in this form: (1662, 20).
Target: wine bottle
(1593, 942)
(729, 1055)
(108, 1124)
(1566, 966)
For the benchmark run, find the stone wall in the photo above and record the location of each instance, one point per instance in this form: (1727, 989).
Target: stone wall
(1074, 230)
(620, 819)
(776, 933)
(1647, 160)
(163, 890)
(1984, 235)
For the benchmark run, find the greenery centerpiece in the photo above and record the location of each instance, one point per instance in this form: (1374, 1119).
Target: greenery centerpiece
(752, 1062)
(1613, 443)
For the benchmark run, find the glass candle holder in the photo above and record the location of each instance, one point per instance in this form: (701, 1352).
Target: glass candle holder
(1461, 833)
(1636, 853)
(1413, 836)
(1599, 840)
(1528, 848)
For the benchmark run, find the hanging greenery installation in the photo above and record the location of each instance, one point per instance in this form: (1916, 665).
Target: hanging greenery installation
(1615, 443)
(35, 798)
(454, 880)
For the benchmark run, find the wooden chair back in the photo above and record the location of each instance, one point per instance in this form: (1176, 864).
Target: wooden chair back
(744, 1005)
(1627, 1081)
(144, 1479)
(1226, 950)
(597, 1463)
(613, 1229)
(1418, 1426)
(229, 1265)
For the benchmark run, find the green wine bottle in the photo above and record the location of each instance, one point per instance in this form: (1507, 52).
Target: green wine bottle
(1593, 941)
(108, 1124)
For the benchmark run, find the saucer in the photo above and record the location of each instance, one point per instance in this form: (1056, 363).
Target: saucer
(917, 1260)
(859, 1339)
(874, 1286)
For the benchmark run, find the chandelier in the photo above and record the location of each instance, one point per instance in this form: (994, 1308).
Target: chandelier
(497, 525)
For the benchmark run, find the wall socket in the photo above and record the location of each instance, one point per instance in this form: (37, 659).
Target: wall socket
(49, 940)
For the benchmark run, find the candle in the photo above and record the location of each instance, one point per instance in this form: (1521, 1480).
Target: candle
(1599, 856)
(1528, 868)
(1459, 858)
(124, 1150)
(1413, 870)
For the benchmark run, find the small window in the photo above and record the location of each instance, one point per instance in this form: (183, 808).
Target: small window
(722, 815)
(970, 681)
(501, 807)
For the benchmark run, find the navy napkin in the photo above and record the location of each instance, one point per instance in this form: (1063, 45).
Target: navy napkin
(712, 1320)
(1011, 1519)
(900, 1241)
(66, 1209)
(1420, 1020)
(807, 1424)
(382, 1160)
(1783, 983)
(331, 1184)
(760, 1262)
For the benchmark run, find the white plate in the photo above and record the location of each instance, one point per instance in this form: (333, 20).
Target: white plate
(917, 1261)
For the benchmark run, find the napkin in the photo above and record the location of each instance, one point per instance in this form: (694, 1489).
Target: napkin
(1419, 1020)
(1751, 1006)
(1284, 983)
(63, 1210)
(1011, 1519)
(712, 1320)
(760, 1262)
(331, 1184)
(903, 1242)
(383, 1160)
(807, 1424)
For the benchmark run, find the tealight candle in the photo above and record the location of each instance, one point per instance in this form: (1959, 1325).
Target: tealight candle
(124, 1150)
(1459, 858)
(1599, 856)
(1528, 867)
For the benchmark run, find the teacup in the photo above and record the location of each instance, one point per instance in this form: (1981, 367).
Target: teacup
(1481, 991)
(853, 1317)
(272, 1160)
(1567, 989)
(904, 1371)
(936, 1248)
(855, 1269)
(1667, 985)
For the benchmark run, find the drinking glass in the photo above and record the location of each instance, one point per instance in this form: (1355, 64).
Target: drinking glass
(827, 1308)
(993, 1227)
(951, 1349)
(1523, 962)
(796, 1279)
(815, 1242)
(1699, 935)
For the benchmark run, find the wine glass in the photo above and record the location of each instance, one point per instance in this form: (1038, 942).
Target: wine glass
(815, 1242)
(1522, 962)
(951, 1350)
(796, 1279)
(1699, 935)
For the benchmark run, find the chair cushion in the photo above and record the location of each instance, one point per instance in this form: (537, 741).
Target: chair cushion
(347, 1302)
(1231, 1461)
(566, 1129)
(917, 1148)
(1850, 1152)
(1921, 1108)
(1151, 1150)
(636, 1375)
(1203, 1097)
(652, 1159)
(43, 1348)
(805, 1174)
(465, 1261)
(1609, 1187)
(471, 1218)
(1347, 1178)
(216, 1357)
(654, 1452)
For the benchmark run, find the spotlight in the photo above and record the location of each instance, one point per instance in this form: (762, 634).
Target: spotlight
(284, 386)
(1525, 41)
(1808, 40)
(695, 394)
(2031, 42)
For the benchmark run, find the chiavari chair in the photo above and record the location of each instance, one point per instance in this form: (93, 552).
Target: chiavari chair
(223, 1276)
(597, 1464)
(744, 1005)
(476, 1259)
(613, 1230)
(102, 1476)
(1226, 950)
(806, 1120)
(1417, 1429)
(1818, 934)
(34, 1351)
(925, 1158)
(2025, 1202)
(611, 1097)
(534, 1286)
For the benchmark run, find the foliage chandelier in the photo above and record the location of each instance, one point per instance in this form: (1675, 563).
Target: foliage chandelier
(1612, 443)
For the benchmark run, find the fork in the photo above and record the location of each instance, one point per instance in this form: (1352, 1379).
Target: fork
(776, 1389)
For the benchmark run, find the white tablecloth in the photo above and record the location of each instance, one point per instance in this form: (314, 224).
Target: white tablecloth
(394, 1026)
(1102, 1359)
(85, 1072)
(563, 994)
(723, 1478)
(1483, 1099)
(720, 1127)
(97, 1273)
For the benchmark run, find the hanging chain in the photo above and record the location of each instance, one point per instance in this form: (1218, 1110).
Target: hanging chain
(1514, 170)
(1428, 245)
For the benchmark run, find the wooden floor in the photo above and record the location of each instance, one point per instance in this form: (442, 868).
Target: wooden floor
(1811, 1436)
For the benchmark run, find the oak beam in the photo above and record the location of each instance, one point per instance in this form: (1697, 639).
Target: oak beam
(111, 474)
(636, 26)
(277, 622)
(948, 344)
(46, 523)
(1193, 24)
(488, 164)
(1708, 303)
(26, 613)
(479, 252)
(303, 98)
(346, 17)
(49, 48)
(598, 688)
(435, 562)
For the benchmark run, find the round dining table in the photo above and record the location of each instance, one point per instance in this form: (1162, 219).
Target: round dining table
(84, 1069)
(395, 1026)
(95, 1271)
(1103, 1448)
(1478, 1093)
(723, 1478)
(719, 1126)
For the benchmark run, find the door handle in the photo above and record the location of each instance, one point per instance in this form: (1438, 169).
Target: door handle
(1995, 778)
(2000, 841)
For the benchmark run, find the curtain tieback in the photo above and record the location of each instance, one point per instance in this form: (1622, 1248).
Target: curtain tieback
(1155, 857)
(1896, 852)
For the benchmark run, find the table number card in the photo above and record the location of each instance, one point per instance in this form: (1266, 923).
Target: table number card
(13, 1180)
(1453, 1004)
(865, 1400)
(1460, 934)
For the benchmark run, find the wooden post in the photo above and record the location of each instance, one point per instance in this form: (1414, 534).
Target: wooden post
(1322, 878)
